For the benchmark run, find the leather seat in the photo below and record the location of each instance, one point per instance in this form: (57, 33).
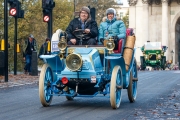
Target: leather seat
(121, 43)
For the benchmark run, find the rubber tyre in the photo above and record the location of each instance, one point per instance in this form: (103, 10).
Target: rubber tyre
(115, 93)
(132, 88)
(45, 81)
(142, 63)
(163, 63)
(68, 97)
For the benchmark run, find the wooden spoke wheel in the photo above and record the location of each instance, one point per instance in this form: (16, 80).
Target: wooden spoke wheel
(132, 88)
(116, 87)
(45, 83)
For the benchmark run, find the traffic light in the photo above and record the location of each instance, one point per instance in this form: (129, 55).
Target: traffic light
(20, 12)
(47, 6)
(46, 15)
(13, 11)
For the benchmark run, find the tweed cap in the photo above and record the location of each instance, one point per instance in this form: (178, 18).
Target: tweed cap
(84, 8)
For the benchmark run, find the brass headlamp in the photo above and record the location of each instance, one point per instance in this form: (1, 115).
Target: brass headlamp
(74, 62)
(110, 45)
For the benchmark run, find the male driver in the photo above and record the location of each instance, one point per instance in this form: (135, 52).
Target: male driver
(84, 22)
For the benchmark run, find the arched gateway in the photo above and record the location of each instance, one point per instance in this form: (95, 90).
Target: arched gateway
(156, 20)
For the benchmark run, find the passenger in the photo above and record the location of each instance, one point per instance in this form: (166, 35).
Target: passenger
(112, 27)
(84, 22)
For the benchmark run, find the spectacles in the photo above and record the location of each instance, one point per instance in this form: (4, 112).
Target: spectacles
(85, 13)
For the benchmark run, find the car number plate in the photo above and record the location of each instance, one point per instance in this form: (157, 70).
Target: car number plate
(93, 79)
(54, 46)
(153, 61)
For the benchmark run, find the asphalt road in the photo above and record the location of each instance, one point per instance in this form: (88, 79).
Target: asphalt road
(158, 93)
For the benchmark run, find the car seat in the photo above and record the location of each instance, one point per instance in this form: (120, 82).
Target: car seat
(121, 43)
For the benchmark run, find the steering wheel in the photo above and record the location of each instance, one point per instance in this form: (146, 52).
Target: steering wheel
(79, 33)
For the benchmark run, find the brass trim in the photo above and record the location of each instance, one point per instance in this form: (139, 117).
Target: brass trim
(68, 59)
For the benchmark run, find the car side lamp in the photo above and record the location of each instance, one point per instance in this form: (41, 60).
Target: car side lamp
(110, 45)
(62, 46)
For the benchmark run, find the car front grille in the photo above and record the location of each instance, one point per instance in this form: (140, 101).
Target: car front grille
(152, 57)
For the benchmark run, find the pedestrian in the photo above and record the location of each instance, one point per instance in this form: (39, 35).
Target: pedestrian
(84, 22)
(112, 27)
(28, 47)
(43, 49)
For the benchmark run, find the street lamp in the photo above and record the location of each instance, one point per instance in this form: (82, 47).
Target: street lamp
(172, 52)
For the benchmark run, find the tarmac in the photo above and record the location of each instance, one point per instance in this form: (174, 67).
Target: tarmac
(167, 107)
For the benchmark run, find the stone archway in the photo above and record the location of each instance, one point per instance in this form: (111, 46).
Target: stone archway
(177, 41)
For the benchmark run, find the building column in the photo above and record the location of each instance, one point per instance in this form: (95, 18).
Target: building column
(165, 34)
(145, 24)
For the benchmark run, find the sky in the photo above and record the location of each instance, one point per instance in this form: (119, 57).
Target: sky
(125, 2)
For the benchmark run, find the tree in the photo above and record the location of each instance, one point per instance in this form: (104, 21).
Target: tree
(32, 23)
(125, 19)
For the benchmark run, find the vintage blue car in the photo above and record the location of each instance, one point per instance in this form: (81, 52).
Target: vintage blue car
(86, 71)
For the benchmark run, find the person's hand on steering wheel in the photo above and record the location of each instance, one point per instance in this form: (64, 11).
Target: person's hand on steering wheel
(87, 31)
(80, 33)
(73, 41)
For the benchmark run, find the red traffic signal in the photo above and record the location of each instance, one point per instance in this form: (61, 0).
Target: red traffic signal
(13, 12)
(46, 18)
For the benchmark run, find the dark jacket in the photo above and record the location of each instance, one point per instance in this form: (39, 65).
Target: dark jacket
(76, 24)
(25, 46)
(43, 49)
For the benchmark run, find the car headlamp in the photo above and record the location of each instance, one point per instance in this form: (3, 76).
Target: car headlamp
(146, 57)
(74, 62)
(159, 56)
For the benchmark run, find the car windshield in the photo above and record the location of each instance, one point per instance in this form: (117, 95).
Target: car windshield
(152, 46)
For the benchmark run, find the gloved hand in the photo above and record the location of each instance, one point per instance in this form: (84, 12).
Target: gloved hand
(115, 38)
(102, 40)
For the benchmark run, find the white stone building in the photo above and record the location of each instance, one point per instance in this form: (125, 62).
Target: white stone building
(122, 8)
(156, 20)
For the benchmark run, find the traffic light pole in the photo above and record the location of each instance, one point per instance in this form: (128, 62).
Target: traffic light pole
(15, 46)
(50, 25)
(6, 40)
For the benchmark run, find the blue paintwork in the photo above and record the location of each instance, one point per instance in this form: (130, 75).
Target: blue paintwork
(92, 66)
(47, 89)
(134, 73)
(118, 91)
(117, 59)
